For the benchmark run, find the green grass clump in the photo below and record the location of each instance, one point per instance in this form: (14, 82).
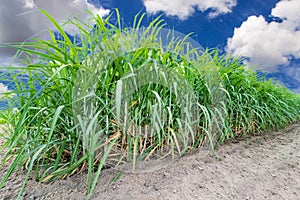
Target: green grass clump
(254, 105)
(74, 108)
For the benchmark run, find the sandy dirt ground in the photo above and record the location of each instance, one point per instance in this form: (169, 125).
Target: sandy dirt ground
(258, 167)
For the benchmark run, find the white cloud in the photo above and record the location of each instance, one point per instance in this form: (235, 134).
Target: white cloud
(3, 89)
(185, 8)
(269, 44)
(21, 19)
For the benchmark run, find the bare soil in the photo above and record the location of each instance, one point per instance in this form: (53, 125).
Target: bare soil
(258, 167)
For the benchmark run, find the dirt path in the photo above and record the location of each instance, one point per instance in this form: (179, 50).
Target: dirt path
(261, 167)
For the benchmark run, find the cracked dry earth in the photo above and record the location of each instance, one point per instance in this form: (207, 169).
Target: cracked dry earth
(259, 167)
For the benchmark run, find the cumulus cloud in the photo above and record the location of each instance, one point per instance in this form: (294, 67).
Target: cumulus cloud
(185, 8)
(3, 89)
(269, 44)
(21, 19)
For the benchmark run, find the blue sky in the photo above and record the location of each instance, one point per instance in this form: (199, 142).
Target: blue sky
(265, 32)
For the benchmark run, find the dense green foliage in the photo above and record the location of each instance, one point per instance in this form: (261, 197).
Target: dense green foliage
(46, 136)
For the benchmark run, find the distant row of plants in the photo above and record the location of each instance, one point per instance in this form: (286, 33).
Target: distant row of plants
(66, 123)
